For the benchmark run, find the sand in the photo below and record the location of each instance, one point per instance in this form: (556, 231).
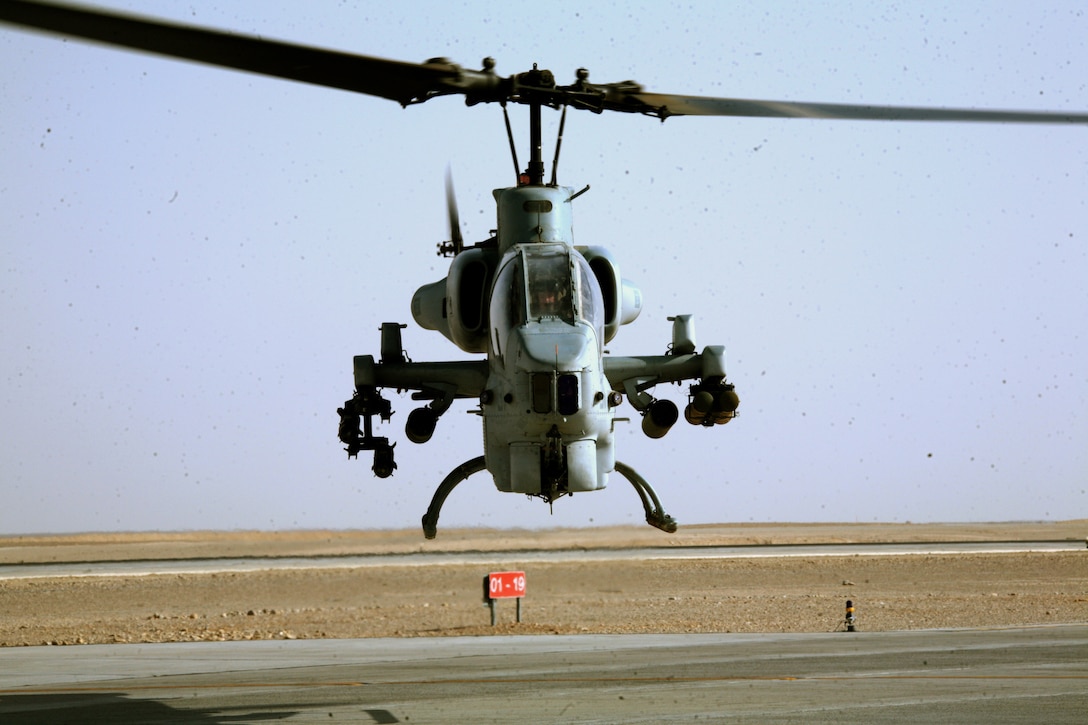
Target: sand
(774, 594)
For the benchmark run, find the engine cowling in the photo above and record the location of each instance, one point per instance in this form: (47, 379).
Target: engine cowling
(622, 299)
(457, 305)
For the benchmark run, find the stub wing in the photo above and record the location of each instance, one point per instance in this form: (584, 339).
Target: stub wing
(439, 382)
(709, 364)
(431, 380)
(711, 399)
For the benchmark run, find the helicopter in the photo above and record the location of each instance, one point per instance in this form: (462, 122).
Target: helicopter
(538, 306)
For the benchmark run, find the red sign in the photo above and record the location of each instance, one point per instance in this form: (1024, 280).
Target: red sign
(506, 584)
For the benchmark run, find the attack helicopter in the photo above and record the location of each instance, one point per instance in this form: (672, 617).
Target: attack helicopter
(539, 308)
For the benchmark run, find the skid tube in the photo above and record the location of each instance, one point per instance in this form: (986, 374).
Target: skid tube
(466, 469)
(655, 516)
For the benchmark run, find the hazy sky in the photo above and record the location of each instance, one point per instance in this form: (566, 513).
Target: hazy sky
(190, 257)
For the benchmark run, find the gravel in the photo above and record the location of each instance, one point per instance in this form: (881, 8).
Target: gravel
(775, 594)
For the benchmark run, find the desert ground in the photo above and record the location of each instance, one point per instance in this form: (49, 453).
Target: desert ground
(767, 594)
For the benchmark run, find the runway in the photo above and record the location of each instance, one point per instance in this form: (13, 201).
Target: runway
(1037, 674)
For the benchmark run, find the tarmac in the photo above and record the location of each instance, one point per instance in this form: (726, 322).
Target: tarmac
(1033, 674)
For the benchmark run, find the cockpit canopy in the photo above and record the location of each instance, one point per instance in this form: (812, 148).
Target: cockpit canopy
(541, 282)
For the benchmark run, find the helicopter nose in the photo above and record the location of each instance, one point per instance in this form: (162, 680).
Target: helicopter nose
(561, 346)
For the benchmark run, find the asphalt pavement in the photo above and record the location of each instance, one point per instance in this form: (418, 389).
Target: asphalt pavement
(1035, 674)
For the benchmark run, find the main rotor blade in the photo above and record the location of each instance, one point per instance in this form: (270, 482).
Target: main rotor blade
(456, 238)
(395, 80)
(414, 83)
(664, 105)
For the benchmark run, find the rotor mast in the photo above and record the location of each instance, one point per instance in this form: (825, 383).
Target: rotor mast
(536, 154)
(536, 78)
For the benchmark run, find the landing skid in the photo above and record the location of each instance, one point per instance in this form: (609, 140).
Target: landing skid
(466, 469)
(655, 516)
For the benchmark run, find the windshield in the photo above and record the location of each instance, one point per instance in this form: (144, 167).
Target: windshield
(550, 285)
(538, 282)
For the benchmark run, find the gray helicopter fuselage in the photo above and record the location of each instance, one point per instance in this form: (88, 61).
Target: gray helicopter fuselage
(548, 425)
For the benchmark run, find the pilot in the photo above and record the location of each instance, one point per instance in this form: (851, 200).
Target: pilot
(552, 300)
(545, 301)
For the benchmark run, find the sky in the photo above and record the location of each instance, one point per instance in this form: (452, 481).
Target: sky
(190, 258)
